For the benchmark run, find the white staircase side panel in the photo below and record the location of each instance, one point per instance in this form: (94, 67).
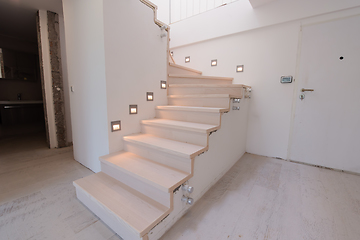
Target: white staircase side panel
(226, 147)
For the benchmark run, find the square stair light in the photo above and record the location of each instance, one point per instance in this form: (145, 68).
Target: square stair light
(187, 59)
(163, 84)
(214, 63)
(133, 109)
(115, 126)
(239, 68)
(150, 96)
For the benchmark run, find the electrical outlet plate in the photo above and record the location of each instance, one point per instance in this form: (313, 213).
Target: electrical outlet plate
(286, 79)
(235, 108)
(236, 100)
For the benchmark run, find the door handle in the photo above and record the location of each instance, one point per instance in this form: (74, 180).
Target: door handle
(307, 90)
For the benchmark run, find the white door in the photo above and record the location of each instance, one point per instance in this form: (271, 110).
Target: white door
(326, 129)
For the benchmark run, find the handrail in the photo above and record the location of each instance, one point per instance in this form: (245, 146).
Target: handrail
(154, 8)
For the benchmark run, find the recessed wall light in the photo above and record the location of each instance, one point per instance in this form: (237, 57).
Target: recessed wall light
(149, 96)
(239, 68)
(163, 84)
(214, 63)
(187, 59)
(115, 126)
(133, 109)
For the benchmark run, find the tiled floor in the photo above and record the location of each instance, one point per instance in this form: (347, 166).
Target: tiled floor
(259, 198)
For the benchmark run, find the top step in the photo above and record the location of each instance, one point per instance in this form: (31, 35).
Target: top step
(178, 69)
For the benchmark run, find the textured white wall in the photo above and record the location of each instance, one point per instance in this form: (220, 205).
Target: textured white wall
(66, 86)
(267, 54)
(45, 52)
(84, 34)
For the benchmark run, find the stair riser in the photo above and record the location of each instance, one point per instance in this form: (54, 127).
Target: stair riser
(107, 216)
(196, 117)
(167, 159)
(201, 102)
(158, 195)
(175, 70)
(189, 90)
(176, 134)
(175, 80)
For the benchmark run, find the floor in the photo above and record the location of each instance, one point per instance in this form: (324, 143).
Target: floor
(259, 198)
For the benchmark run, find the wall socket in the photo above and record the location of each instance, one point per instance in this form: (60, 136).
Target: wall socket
(235, 108)
(236, 100)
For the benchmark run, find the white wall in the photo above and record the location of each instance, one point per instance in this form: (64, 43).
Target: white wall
(136, 62)
(240, 16)
(84, 35)
(182, 9)
(114, 56)
(267, 53)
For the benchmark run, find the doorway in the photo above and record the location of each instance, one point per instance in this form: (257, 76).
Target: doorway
(21, 108)
(326, 128)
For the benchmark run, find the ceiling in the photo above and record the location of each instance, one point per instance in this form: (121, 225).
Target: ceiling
(18, 17)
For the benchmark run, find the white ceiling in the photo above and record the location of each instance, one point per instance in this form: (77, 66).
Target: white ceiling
(18, 17)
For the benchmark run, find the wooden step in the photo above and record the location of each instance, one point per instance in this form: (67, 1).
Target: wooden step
(202, 100)
(193, 79)
(176, 148)
(206, 115)
(178, 69)
(129, 213)
(187, 89)
(189, 132)
(145, 170)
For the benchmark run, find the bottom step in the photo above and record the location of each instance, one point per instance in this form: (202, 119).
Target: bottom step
(129, 213)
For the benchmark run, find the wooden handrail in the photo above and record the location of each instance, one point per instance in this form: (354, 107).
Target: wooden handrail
(154, 8)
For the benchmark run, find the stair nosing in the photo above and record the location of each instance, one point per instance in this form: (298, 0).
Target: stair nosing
(184, 68)
(190, 129)
(206, 85)
(219, 95)
(165, 150)
(191, 109)
(137, 194)
(144, 179)
(200, 77)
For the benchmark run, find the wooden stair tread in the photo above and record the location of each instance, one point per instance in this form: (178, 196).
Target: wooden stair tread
(219, 95)
(139, 212)
(199, 77)
(192, 109)
(188, 126)
(156, 174)
(165, 145)
(185, 68)
(207, 85)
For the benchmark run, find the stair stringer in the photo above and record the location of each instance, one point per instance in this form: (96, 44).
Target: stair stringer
(227, 145)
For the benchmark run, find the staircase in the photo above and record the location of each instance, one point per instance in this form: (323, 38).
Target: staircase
(139, 187)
